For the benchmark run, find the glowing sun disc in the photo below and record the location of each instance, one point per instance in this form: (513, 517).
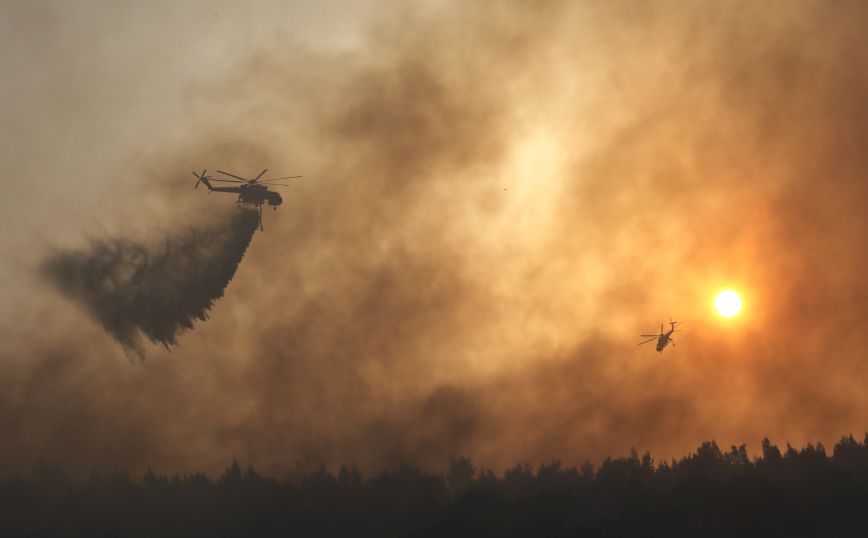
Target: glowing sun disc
(727, 303)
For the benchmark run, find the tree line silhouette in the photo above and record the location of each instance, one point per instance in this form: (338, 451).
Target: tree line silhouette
(710, 492)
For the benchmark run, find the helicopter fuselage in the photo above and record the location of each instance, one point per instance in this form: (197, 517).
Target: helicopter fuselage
(252, 194)
(663, 341)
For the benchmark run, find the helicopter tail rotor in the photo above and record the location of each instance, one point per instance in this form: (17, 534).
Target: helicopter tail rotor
(200, 178)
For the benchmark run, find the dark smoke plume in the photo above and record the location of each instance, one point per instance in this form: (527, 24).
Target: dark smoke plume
(156, 290)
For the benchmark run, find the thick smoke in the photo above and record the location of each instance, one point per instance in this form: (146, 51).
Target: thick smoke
(498, 198)
(158, 290)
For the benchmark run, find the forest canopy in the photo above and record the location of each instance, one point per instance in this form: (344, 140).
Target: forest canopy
(804, 491)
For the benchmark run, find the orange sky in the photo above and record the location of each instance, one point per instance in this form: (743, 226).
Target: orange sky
(497, 201)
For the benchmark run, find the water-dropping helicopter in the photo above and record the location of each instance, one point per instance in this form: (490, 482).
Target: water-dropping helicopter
(663, 338)
(250, 191)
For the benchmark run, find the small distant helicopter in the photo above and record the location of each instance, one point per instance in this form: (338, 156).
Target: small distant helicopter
(664, 337)
(250, 191)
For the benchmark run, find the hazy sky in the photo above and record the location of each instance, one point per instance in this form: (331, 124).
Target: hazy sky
(498, 198)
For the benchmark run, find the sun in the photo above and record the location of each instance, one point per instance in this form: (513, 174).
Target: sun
(727, 303)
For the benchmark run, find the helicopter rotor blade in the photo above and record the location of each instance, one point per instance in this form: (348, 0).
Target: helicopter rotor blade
(228, 180)
(232, 175)
(279, 178)
(646, 341)
(254, 180)
(649, 335)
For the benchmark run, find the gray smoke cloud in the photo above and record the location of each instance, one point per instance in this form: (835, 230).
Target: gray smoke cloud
(156, 289)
